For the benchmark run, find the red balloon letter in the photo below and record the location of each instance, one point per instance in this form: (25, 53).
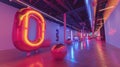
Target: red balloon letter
(20, 29)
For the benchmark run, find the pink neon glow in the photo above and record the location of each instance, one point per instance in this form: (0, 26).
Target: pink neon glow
(64, 27)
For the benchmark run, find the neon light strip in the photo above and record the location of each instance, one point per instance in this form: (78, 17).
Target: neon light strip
(89, 11)
(107, 8)
(25, 31)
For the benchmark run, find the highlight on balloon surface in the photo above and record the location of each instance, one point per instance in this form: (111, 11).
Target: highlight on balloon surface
(59, 51)
(68, 41)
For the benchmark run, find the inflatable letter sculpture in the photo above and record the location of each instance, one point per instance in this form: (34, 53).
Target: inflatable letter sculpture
(21, 29)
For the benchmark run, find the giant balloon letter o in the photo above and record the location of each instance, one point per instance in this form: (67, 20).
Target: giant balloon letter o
(20, 29)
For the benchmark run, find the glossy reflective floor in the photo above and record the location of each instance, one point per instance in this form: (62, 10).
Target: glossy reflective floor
(88, 53)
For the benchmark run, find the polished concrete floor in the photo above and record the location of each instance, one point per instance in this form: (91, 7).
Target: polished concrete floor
(88, 53)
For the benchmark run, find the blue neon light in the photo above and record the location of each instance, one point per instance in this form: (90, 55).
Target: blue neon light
(89, 10)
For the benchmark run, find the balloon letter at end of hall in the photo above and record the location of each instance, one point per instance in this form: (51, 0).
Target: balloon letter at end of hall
(21, 29)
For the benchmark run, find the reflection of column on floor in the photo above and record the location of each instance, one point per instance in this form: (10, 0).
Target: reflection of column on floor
(83, 34)
(79, 35)
(71, 35)
(84, 44)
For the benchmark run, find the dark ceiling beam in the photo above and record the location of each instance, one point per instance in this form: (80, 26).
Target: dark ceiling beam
(52, 5)
(34, 1)
(76, 21)
(80, 9)
(78, 17)
(75, 1)
(60, 2)
(69, 5)
(73, 17)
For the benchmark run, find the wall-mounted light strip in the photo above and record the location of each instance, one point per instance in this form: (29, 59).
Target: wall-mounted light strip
(107, 8)
(26, 24)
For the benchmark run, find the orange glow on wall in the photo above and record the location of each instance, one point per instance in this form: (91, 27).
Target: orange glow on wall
(21, 26)
(113, 4)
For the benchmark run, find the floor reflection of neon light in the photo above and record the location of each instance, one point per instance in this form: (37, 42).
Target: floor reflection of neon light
(88, 44)
(72, 55)
(81, 46)
(76, 45)
(100, 54)
(33, 61)
(71, 34)
(37, 64)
